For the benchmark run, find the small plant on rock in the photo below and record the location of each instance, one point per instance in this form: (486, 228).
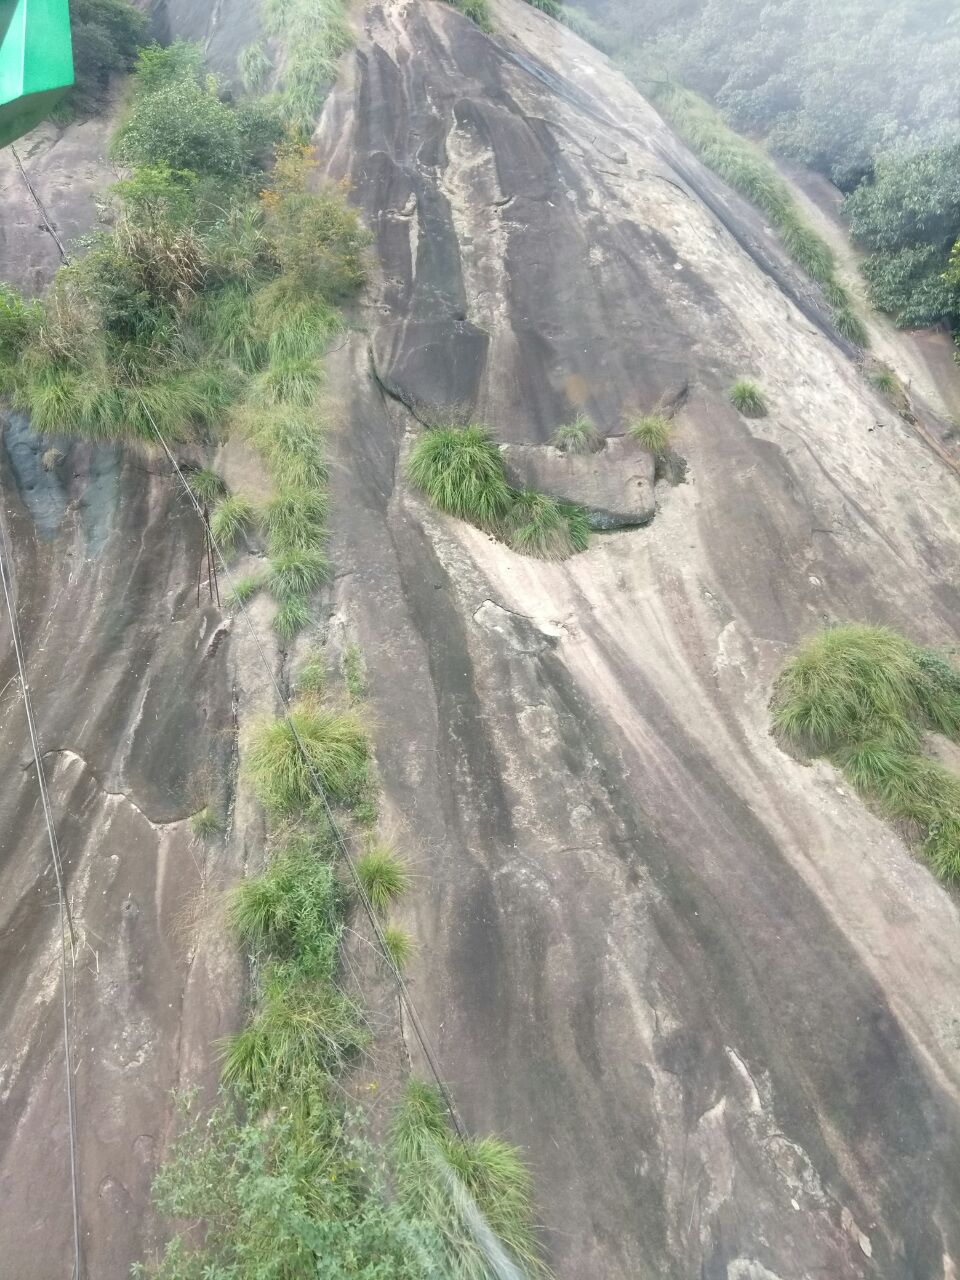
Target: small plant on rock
(748, 398)
(654, 431)
(579, 436)
(461, 471)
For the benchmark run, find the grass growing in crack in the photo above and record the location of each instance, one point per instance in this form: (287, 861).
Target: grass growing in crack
(884, 381)
(292, 617)
(293, 908)
(296, 519)
(748, 398)
(449, 1182)
(539, 526)
(206, 486)
(461, 471)
(234, 517)
(295, 575)
(205, 823)
(335, 746)
(654, 431)
(354, 672)
(579, 436)
(384, 876)
(288, 380)
(864, 697)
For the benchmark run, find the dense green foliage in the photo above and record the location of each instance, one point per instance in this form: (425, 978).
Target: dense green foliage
(866, 92)
(461, 471)
(106, 37)
(865, 697)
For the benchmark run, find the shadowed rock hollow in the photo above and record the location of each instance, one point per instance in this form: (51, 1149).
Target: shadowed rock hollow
(713, 998)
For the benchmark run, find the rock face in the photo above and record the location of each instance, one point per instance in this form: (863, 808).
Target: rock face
(614, 483)
(713, 998)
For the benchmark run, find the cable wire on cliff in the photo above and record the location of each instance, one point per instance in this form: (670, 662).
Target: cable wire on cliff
(66, 920)
(403, 991)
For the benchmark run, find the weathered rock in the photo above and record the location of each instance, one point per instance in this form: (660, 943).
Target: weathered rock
(614, 483)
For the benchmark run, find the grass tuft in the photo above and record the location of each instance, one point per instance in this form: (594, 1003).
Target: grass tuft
(233, 517)
(654, 431)
(292, 617)
(748, 398)
(542, 527)
(399, 946)
(312, 675)
(334, 747)
(579, 436)
(205, 823)
(292, 909)
(244, 589)
(354, 672)
(864, 697)
(384, 876)
(294, 575)
(461, 471)
(885, 381)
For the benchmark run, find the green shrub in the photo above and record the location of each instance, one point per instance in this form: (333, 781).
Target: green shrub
(232, 518)
(748, 398)
(383, 875)
(654, 431)
(579, 436)
(461, 472)
(335, 749)
(106, 35)
(182, 125)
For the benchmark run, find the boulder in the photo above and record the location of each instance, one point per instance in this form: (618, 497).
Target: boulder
(614, 483)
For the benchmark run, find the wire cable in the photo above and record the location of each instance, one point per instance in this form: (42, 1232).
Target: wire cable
(66, 921)
(402, 989)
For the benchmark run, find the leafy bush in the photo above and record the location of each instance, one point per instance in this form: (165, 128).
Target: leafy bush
(654, 431)
(864, 696)
(106, 37)
(183, 126)
(748, 398)
(461, 471)
(334, 748)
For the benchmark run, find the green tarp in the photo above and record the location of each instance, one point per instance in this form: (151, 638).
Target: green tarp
(36, 62)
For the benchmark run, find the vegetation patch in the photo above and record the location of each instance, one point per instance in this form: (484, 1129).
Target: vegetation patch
(461, 471)
(654, 431)
(283, 756)
(864, 697)
(579, 436)
(747, 397)
(477, 11)
(383, 876)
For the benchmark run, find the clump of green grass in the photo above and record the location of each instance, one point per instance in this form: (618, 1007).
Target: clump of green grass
(232, 518)
(384, 876)
(292, 617)
(295, 574)
(477, 11)
(885, 381)
(399, 947)
(291, 441)
(244, 589)
(205, 823)
(334, 746)
(654, 431)
(295, 519)
(354, 672)
(293, 909)
(289, 380)
(579, 436)
(849, 325)
(461, 471)
(748, 398)
(864, 697)
(450, 1182)
(536, 525)
(312, 675)
(253, 64)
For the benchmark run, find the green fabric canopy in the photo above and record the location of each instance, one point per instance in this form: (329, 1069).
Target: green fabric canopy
(36, 62)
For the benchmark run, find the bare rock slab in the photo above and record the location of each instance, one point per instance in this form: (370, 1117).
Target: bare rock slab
(614, 483)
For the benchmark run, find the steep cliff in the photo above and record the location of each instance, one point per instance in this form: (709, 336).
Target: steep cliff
(709, 993)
